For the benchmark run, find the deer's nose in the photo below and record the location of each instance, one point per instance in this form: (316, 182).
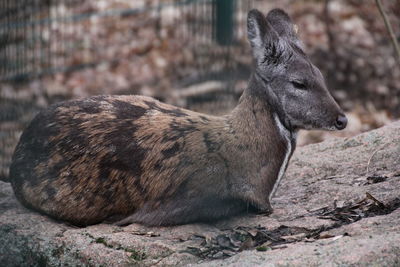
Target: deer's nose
(341, 122)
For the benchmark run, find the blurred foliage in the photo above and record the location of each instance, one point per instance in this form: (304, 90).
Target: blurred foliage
(169, 53)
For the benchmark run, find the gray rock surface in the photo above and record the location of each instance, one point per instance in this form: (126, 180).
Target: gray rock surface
(322, 217)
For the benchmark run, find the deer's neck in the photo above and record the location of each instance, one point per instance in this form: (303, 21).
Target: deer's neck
(255, 116)
(259, 124)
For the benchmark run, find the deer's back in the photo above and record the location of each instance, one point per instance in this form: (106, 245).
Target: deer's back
(86, 160)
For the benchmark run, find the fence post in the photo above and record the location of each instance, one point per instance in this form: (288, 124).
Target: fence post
(225, 21)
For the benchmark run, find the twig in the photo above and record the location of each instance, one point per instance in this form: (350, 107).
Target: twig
(389, 28)
(369, 161)
(373, 154)
(380, 204)
(268, 236)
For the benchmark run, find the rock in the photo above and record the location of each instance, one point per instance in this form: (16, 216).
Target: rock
(322, 216)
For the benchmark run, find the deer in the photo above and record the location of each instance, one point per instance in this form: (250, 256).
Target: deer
(133, 159)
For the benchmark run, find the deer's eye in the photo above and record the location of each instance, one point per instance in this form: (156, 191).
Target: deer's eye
(299, 85)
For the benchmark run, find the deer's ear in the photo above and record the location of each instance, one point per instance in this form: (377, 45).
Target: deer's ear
(256, 28)
(283, 25)
(263, 38)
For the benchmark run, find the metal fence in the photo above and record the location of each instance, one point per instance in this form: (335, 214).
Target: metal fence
(41, 37)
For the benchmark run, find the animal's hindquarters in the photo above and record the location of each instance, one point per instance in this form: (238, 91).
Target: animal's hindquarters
(61, 168)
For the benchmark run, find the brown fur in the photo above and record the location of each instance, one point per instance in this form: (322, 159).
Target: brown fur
(85, 161)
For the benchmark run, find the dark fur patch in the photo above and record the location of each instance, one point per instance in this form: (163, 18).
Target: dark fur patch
(147, 137)
(50, 191)
(53, 172)
(125, 110)
(173, 138)
(89, 107)
(158, 165)
(33, 148)
(70, 148)
(184, 128)
(127, 157)
(171, 152)
(129, 154)
(241, 147)
(179, 131)
(211, 145)
(75, 144)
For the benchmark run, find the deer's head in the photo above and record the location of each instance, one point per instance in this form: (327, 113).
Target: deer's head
(291, 84)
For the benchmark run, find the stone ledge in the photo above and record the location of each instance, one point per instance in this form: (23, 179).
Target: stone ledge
(338, 170)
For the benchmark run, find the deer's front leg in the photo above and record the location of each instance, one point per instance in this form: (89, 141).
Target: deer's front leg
(259, 201)
(263, 207)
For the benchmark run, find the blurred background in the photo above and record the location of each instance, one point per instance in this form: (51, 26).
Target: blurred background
(190, 53)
